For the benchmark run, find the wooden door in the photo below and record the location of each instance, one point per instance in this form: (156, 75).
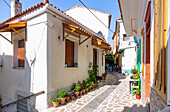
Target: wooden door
(94, 56)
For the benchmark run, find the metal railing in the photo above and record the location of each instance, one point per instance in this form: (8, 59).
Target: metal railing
(14, 102)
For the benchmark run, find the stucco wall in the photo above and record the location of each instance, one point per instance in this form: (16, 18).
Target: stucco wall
(31, 78)
(128, 59)
(85, 17)
(59, 76)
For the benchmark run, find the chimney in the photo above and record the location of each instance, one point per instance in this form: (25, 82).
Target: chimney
(16, 8)
(45, 1)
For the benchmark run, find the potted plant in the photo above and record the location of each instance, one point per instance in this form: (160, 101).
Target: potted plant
(67, 97)
(76, 90)
(126, 73)
(92, 76)
(134, 71)
(104, 75)
(61, 95)
(75, 64)
(87, 87)
(138, 93)
(65, 65)
(72, 95)
(80, 92)
(83, 87)
(55, 102)
(91, 84)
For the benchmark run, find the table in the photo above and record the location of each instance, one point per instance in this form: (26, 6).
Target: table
(132, 81)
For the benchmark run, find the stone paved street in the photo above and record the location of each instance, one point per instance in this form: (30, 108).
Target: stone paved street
(112, 96)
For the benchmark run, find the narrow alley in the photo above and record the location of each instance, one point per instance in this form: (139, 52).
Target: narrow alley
(111, 96)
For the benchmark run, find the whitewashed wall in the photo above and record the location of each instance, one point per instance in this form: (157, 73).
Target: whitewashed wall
(128, 59)
(31, 78)
(82, 15)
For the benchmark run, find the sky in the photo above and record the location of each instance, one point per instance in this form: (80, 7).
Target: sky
(109, 6)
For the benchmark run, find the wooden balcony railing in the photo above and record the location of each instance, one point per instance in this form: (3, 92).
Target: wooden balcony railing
(6, 105)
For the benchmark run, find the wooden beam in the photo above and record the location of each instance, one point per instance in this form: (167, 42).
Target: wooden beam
(6, 38)
(69, 34)
(18, 25)
(83, 41)
(17, 32)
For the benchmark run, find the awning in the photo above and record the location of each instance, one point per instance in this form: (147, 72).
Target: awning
(13, 27)
(132, 13)
(77, 30)
(100, 43)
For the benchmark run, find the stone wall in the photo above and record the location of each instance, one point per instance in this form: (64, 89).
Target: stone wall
(156, 102)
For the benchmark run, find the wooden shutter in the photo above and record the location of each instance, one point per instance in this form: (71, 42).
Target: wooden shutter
(69, 53)
(21, 53)
(94, 56)
(160, 78)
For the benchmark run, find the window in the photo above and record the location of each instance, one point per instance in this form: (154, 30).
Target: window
(19, 53)
(22, 105)
(71, 53)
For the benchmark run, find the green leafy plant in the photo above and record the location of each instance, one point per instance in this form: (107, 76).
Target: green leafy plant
(126, 72)
(61, 93)
(68, 94)
(104, 74)
(134, 71)
(88, 80)
(87, 85)
(91, 84)
(92, 75)
(95, 68)
(138, 91)
(136, 76)
(77, 88)
(56, 100)
(73, 86)
(84, 84)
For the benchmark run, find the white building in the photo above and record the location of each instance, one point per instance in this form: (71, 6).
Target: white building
(124, 48)
(38, 50)
(84, 16)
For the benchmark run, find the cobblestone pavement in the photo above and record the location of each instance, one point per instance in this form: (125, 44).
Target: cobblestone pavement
(112, 96)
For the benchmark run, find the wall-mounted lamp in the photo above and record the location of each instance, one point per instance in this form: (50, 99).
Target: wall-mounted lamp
(59, 37)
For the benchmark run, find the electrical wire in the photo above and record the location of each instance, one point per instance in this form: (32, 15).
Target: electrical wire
(7, 4)
(96, 16)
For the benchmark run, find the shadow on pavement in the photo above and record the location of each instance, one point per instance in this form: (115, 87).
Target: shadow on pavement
(135, 108)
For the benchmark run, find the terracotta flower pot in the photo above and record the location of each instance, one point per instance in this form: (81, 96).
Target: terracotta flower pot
(77, 94)
(55, 104)
(80, 93)
(62, 100)
(104, 78)
(67, 99)
(138, 96)
(95, 85)
(72, 97)
(83, 91)
(87, 89)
